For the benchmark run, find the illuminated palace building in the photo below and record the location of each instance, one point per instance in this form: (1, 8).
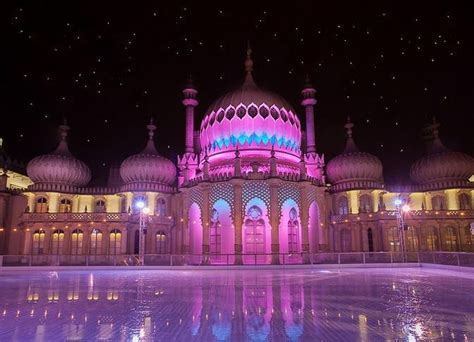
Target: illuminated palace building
(249, 187)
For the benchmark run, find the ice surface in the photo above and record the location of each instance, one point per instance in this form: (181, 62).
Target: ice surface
(237, 305)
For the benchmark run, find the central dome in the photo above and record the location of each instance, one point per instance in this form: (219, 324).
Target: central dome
(252, 120)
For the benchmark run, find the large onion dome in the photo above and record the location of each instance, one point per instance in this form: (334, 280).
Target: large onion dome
(441, 167)
(59, 168)
(254, 121)
(148, 167)
(354, 169)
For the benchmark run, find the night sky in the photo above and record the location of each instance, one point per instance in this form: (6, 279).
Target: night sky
(109, 66)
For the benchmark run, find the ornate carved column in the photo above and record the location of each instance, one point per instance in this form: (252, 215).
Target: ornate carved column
(205, 188)
(304, 216)
(184, 224)
(274, 220)
(238, 221)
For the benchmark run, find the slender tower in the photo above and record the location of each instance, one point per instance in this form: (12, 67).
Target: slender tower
(189, 102)
(188, 162)
(308, 103)
(314, 162)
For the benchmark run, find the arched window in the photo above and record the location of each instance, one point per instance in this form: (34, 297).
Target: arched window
(465, 201)
(38, 242)
(57, 242)
(254, 231)
(77, 237)
(41, 205)
(215, 235)
(65, 205)
(99, 206)
(370, 239)
(365, 204)
(342, 206)
(115, 242)
(160, 239)
(449, 239)
(123, 204)
(346, 240)
(160, 209)
(293, 234)
(96, 242)
(438, 202)
(393, 239)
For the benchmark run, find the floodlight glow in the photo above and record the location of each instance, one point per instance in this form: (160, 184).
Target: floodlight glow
(406, 208)
(398, 202)
(146, 210)
(140, 204)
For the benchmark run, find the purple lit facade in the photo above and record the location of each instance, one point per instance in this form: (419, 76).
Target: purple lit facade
(250, 187)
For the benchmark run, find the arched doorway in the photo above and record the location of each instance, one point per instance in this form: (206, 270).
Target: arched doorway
(256, 237)
(315, 232)
(370, 239)
(195, 233)
(346, 240)
(221, 233)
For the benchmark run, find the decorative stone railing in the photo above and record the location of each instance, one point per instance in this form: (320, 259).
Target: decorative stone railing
(411, 215)
(91, 217)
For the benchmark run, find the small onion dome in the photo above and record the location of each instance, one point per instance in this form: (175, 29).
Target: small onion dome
(59, 167)
(354, 169)
(441, 167)
(148, 167)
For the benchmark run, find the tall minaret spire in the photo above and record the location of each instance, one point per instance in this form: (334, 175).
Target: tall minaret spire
(308, 102)
(189, 102)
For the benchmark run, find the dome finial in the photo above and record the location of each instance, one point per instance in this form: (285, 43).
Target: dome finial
(63, 130)
(150, 146)
(151, 129)
(348, 126)
(436, 143)
(249, 66)
(62, 148)
(350, 144)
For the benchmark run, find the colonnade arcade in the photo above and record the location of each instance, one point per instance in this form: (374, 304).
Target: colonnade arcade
(253, 221)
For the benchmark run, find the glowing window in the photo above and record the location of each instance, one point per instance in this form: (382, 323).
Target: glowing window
(342, 206)
(57, 243)
(96, 242)
(38, 242)
(77, 237)
(115, 242)
(160, 239)
(65, 205)
(100, 206)
(41, 205)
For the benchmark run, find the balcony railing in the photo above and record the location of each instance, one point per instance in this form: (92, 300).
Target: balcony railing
(441, 258)
(411, 215)
(90, 217)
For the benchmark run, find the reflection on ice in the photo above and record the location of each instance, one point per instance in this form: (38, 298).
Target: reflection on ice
(291, 305)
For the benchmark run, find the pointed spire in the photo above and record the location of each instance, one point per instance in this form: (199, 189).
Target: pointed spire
(350, 144)
(63, 148)
(190, 82)
(150, 146)
(436, 143)
(307, 81)
(249, 67)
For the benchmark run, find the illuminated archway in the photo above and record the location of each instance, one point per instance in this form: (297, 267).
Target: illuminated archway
(221, 233)
(195, 229)
(256, 232)
(314, 229)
